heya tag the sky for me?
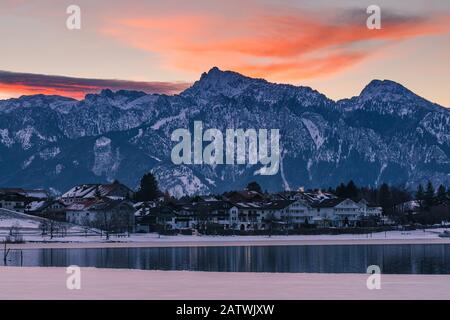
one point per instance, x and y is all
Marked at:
(164, 46)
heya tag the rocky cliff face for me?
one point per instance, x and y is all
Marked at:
(386, 134)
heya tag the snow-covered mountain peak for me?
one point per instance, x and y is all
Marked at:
(108, 94)
(123, 96)
(385, 89)
(389, 97)
(217, 82)
(35, 101)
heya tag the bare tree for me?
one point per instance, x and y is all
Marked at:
(14, 233)
(51, 228)
(5, 253)
(14, 230)
(44, 227)
(60, 228)
(270, 221)
(112, 222)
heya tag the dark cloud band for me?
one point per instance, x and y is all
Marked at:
(77, 87)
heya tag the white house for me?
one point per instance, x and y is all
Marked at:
(106, 214)
(340, 212)
(300, 212)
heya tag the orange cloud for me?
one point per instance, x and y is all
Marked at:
(15, 90)
(274, 45)
(302, 69)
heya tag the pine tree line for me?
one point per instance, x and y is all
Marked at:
(391, 197)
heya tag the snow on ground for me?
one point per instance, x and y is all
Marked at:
(10, 218)
(314, 132)
(155, 240)
(29, 227)
(163, 121)
(390, 235)
(50, 283)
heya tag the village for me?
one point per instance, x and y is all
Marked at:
(113, 208)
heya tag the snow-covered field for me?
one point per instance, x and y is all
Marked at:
(9, 219)
(50, 283)
(29, 227)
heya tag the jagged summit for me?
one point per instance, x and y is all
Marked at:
(215, 74)
(216, 81)
(108, 93)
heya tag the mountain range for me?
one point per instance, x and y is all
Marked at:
(385, 134)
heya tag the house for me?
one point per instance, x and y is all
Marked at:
(325, 209)
(155, 215)
(299, 213)
(170, 218)
(249, 216)
(245, 196)
(219, 213)
(310, 196)
(13, 201)
(207, 198)
(52, 209)
(81, 193)
(35, 194)
(263, 215)
(338, 212)
(16, 199)
(409, 207)
(370, 210)
(145, 220)
(111, 215)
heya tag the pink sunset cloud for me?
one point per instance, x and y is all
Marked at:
(274, 45)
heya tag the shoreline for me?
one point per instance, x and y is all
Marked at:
(45, 283)
(217, 241)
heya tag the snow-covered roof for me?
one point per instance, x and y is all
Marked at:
(250, 205)
(209, 198)
(410, 205)
(142, 212)
(138, 204)
(81, 191)
(38, 194)
(271, 205)
(96, 204)
(89, 191)
(35, 206)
